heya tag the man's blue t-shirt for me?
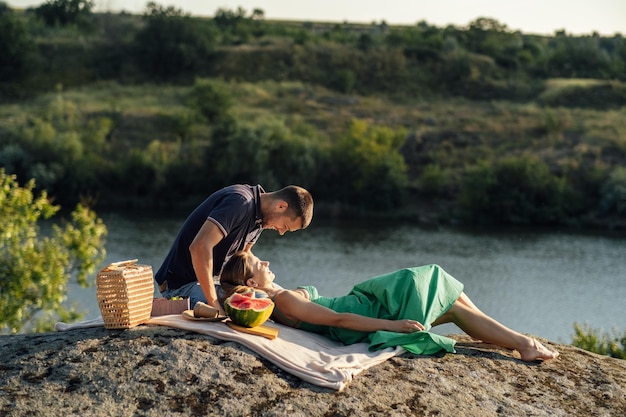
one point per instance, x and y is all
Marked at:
(236, 210)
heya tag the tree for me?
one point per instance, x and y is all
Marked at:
(236, 26)
(485, 35)
(172, 44)
(15, 45)
(35, 267)
(64, 12)
(579, 57)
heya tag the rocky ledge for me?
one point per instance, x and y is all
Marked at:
(158, 371)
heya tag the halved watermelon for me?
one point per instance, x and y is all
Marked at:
(248, 311)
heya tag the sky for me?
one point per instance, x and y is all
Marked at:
(545, 17)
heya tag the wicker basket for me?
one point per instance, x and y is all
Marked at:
(124, 291)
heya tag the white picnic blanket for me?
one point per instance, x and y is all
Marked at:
(309, 356)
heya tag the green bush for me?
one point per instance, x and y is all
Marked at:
(366, 168)
(592, 340)
(61, 149)
(433, 179)
(514, 190)
(211, 99)
(267, 151)
(35, 267)
(613, 193)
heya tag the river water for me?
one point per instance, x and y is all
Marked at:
(535, 282)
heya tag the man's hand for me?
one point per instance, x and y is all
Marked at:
(218, 306)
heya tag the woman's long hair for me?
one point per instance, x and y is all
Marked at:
(235, 272)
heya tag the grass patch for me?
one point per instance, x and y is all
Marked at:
(584, 93)
(557, 83)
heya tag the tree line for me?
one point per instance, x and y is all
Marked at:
(79, 156)
(62, 41)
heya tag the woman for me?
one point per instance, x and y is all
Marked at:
(395, 309)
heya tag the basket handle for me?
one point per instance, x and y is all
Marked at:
(116, 265)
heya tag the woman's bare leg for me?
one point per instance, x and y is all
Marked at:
(463, 298)
(480, 326)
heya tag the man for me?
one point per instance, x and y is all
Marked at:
(229, 220)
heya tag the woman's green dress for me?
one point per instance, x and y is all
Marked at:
(422, 293)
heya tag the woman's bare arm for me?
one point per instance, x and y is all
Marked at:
(297, 308)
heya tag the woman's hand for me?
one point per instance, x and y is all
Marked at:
(406, 326)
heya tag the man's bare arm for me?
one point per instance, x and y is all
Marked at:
(201, 250)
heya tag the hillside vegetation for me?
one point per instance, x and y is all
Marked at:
(473, 124)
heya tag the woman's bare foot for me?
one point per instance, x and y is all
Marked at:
(536, 350)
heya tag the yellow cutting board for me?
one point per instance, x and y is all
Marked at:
(265, 331)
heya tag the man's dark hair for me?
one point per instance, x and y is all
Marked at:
(300, 202)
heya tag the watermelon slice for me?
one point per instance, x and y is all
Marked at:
(248, 311)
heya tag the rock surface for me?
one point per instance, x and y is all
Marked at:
(158, 371)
